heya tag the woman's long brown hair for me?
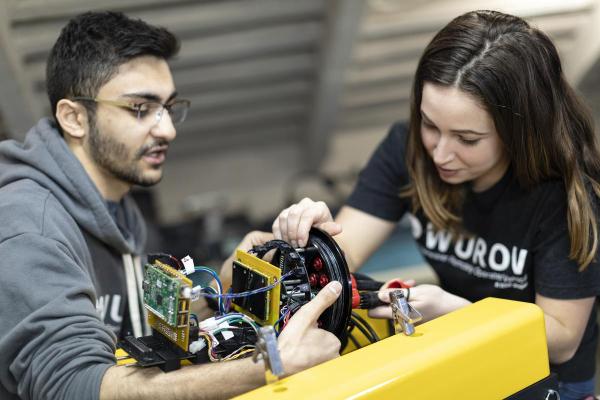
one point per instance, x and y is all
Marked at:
(514, 71)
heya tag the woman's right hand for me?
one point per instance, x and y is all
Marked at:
(293, 224)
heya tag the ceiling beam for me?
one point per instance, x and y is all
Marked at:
(342, 24)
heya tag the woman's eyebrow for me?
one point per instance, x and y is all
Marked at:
(429, 121)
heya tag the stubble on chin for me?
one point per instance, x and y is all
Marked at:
(115, 158)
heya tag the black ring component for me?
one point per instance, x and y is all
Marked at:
(335, 318)
(320, 262)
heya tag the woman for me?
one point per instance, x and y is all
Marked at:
(500, 169)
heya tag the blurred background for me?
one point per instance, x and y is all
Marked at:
(289, 98)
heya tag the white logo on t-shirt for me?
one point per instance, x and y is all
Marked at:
(473, 254)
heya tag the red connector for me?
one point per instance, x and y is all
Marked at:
(355, 298)
(397, 284)
(368, 299)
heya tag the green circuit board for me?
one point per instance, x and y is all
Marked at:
(162, 293)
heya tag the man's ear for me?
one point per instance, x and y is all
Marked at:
(72, 118)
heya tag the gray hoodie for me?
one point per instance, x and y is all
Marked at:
(53, 342)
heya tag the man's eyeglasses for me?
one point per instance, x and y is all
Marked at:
(149, 110)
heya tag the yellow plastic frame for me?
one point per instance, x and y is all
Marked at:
(488, 350)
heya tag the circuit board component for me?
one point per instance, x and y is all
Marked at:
(251, 273)
(167, 296)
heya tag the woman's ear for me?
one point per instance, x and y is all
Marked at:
(72, 118)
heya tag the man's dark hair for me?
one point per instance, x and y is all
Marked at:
(93, 45)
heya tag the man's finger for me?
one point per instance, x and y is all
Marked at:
(311, 311)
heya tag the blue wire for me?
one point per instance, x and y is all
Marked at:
(248, 293)
(276, 324)
(228, 301)
(216, 277)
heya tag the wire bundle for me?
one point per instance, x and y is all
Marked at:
(230, 295)
(358, 322)
(229, 347)
(211, 290)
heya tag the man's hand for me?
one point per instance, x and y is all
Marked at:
(254, 238)
(293, 223)
(430, 300)
(302, 344)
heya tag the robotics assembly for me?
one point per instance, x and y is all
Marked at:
(493, 349)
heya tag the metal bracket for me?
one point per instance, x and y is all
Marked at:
(405, 316)
(266, 350)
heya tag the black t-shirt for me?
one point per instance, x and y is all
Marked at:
(109, 277)
(519, 242)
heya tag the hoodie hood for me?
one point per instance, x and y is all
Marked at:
(45, 158)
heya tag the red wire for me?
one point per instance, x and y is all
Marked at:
(176, 260)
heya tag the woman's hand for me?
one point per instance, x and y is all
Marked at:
(294, 223)
(430, 300)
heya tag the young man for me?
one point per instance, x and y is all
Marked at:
(71, 237)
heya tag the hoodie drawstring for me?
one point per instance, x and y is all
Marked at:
(132, 295)
(139, 277)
